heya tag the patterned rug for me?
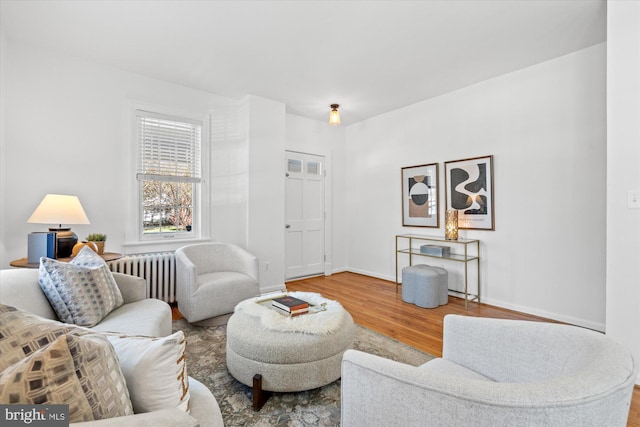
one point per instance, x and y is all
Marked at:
(206, 362)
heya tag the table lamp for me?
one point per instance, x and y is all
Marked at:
(60, 209)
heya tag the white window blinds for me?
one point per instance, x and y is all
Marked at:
(169, 148)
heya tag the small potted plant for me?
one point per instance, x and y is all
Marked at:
(98, 239)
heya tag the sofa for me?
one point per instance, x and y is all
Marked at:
(495, 372)
(138, 315)
(211, 278)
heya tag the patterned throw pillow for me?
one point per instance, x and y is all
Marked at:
(155, 370)
(82, 291)
(46, 377)
(95, 363)
(23, 333)
(98, 369)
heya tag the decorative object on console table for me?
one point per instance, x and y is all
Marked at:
(451, 224)
(435, 250)
(420, 205)
(99, 240)
(290, 304)
(60, 209)
(469, 190)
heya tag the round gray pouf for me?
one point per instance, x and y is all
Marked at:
(443, 289)
(425, 286)
(288, 361)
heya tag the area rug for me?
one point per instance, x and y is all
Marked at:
(206, 362)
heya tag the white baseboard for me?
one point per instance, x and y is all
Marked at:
(600, 327)
(273, 288)
(371, 273)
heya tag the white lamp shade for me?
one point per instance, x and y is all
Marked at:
(59, 209)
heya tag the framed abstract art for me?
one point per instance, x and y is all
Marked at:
(469, 190)
(420, 204)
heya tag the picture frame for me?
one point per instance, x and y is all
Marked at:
(469, 190)
(420, 196)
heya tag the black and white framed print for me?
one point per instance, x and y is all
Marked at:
(420, 205)
(469, 190)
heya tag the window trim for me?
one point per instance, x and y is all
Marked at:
(136, 241)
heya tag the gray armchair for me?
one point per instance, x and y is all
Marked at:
(211, 278)
(495, 372)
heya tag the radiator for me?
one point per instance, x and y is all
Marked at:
(158, 269)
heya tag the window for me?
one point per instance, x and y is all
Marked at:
(169, 175)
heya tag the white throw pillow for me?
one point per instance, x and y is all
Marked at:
(81, 292)
(155, 370)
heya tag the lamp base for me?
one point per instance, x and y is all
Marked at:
(66, 240)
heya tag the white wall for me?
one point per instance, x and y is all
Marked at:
(266, 136)
(623, 173)
(67, 131)
(545, 127)
(229, 187)
(314, 137)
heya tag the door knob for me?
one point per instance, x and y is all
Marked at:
(287, 226)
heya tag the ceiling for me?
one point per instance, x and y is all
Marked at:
(371, 57)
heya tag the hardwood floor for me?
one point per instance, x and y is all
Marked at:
(374, 304)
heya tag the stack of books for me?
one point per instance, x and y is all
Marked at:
(290, 306)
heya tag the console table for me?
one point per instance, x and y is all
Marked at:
(466, 251)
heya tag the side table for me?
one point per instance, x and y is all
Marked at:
(24, 263)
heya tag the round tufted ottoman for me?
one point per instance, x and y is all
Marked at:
(290, 354)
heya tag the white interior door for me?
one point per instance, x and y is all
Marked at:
(304, 215)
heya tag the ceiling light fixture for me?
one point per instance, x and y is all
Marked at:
(334, 115)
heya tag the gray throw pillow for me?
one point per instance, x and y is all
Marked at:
(81, 292)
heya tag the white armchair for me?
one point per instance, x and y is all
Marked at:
(211, 278)
(495, 372)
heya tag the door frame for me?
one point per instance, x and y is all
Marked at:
(328, 217)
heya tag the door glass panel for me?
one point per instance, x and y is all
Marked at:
(294, 165)
(313, 168)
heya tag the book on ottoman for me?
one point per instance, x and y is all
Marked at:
(291, 313)
(290, 304)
